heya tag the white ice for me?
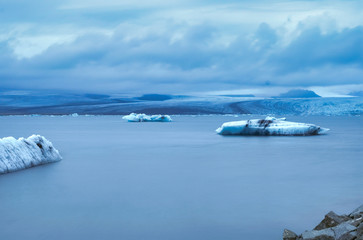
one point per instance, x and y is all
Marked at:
(269, 126)
(134, 117)
(17, 154)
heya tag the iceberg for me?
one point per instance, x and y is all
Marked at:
(134, 117)
(270, 126)
(22, 153)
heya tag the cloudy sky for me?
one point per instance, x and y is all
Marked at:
(180, 46)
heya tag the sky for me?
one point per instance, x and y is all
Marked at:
(178, 47)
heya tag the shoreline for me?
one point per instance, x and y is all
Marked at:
(333, 227)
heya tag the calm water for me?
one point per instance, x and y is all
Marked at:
(179, 180)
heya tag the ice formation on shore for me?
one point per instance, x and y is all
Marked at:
(269, 126)
(134, 117)
(17, 154)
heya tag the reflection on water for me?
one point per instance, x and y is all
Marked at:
(178, 180)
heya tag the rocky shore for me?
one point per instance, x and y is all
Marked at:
(333, 227)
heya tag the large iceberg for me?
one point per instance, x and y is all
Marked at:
(269, 126)
(134, 117)
(17, 154)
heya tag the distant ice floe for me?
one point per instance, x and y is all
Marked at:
(270, 126)
(134, 117)
(17, 154)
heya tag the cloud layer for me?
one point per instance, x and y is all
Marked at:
(180, 47)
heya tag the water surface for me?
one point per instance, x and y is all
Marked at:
(178, 180)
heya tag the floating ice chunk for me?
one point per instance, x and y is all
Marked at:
(134, 117)
(25, 153)
(270, 126)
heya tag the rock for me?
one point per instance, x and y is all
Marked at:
(343, 229)
(355, 222)
(360, 231)
(357, 212)
(325, 234)
(289, 235)
(348, 236)
(331, 220)
(333, 227)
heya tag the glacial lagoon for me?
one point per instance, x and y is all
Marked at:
(178, 180)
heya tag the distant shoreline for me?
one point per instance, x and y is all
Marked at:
(67, 105)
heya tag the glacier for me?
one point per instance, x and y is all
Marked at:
(270, 126)
(22, 153)
(141, 117)
(96, 104)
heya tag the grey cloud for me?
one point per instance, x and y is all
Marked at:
(192, 62)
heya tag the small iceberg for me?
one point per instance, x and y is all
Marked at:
(134, 117)
(17, 154)
(270, 126)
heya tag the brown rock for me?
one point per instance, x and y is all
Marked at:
(331, 220)
(289, 235)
